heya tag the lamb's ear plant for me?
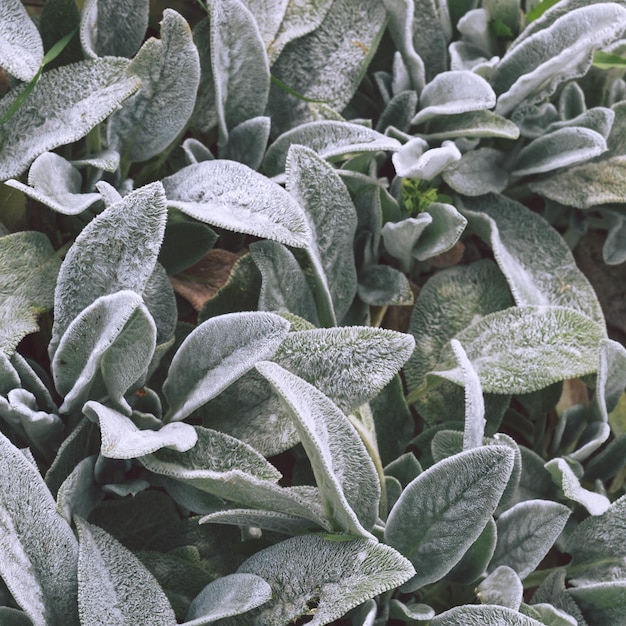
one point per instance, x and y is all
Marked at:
(292, 329)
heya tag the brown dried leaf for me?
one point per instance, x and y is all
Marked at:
(202, 281)
(449, 258)
(399, 317)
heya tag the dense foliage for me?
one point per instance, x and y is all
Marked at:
(291, 330)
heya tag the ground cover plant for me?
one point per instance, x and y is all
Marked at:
(291, 329)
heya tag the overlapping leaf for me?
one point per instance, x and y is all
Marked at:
(113, 28)
(349, 365)
(284, 285)
(105, 350)
(65, 104)
(326, 65)
(343, 470)
(332, 576)
(544, 344)
(239, 65)
(104, 595)
(228, 596)
(564, 476)
(332, 221)
(597, 546)
(228, 468)
(115, 251)
(444, 510)
(21, 48)
(55, 182)
(525, 534)
(216, 354)
(452, 93)
(534, 68)
(479, 615)
(29, 271)
(122, 439)
(233, 196)
(39, 551)
(515, 233)
(299, 18)
(169, 70)
(330, 139)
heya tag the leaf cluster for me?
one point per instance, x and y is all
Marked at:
(291, 328)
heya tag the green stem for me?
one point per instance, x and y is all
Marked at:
(372, 448)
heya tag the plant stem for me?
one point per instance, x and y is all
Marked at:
(369, 439)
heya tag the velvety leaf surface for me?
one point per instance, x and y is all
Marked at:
(444, 510)
(122, 439)
(383, 285)
(284, 285)
(113, 28)
(415, 160)
(42, 430)
(38, 550)
(603, 603)
(432, 232)
(560, 148)
(325, 64)
(343, 470)
(349, 365)
(502, 587)
(473, 564)
(597, 546)
(454, 92)
(56, 183)
(29, 268)
(332, 221)
(563, 475)
(299, 18)
(242, 411)
(169, 70)
(450, 301)
(515, 233)
(485, 615)
(239, 65)
(79, 494)
(204, 117)
(226, 467)
(474, 429)
(478, 172)
(108, 346)
(227, 596)
(267, 520)
(247, 142)
(117, 250)
(401, 19)
(533, 69)
(269, 16)
(472, 124)
(233, 196)
(525, 534)
(104, 596)
(75, 98)
(594, 183)
(216, 354)
(431, 32)
(21, 48)
(333, 576)
(545, 344)
(330, 139)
